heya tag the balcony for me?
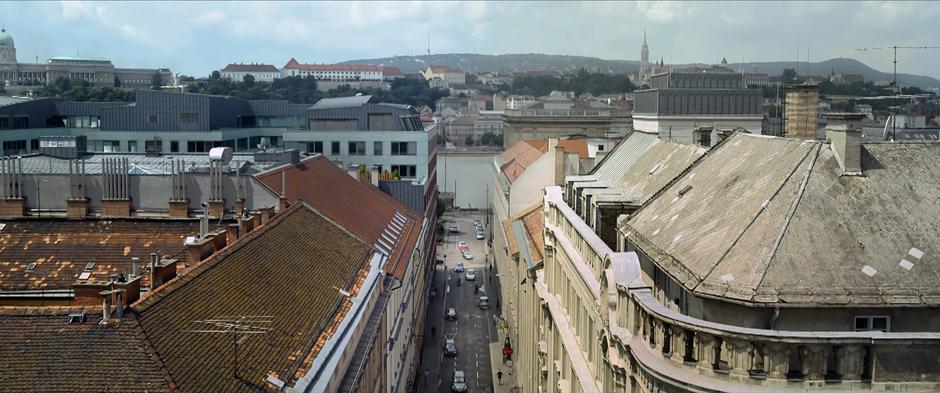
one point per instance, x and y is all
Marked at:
(680, 350)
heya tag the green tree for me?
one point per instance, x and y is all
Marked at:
(156, 80)
(788, 75)
(248, 80)
(469, 140)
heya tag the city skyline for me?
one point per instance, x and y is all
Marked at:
(195, 39)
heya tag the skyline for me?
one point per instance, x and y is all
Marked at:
(195, 39)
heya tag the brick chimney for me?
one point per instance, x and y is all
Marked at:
(161, 270)
(844, 133)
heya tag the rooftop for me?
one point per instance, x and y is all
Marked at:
(294, 64)
(518, 157)
(65, 251)
(340, 102)
(524, 234)
(764, 220)
(250, 68)
(267, 273)
(366, 211)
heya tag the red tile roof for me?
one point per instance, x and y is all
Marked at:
(250, 68)
(290, 270)
(519, 156)
(61, 249)
(389, 71)
(41, 352)
(357, 206)
(294, 64)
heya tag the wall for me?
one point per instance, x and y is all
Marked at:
(529, 187)
(299, 140)
(473, 173)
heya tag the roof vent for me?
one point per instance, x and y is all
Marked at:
(77, 317)
(685, 190)
(31, 266)
(90, 266)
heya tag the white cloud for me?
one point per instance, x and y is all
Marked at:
(662, 11)
(212, 17)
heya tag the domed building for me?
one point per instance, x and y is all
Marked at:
(99, 72)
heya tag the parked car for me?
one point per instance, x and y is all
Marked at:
(479, 235)
(458, 267)
(460, 382)
(450, 347)
(453, 229)
(471, 275)
(484, 302)
(467, 255)
(451, 314)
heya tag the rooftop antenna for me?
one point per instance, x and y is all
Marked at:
(429, 43)
(239, 326)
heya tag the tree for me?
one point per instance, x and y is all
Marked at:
(156, 81)
(440, 140)
(117, 81)
(215, 75)
(248, 80)
(469, 140)
(3, 87)
(489, 139)
(788, 75)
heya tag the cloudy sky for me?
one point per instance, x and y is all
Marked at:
(195, 38)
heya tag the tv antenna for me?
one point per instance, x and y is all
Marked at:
(895, 58)
(240, 327)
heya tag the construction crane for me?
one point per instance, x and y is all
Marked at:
(895, 60)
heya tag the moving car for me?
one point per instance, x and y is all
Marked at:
(458, 267)
(484, 302)
(467, 255)
(471, 275)
(460, 382)
(451, 314)
(453, 229)
(450, 347)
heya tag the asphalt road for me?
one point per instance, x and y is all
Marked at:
(474, 329)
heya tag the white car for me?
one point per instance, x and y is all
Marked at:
(453, 229)
(467, 255)
(479, 235)
(471, 275)
(460, 382)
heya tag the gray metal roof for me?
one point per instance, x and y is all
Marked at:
(340, 102)
(6, 100)
(771, 220)
(624, 155)
(138, 164)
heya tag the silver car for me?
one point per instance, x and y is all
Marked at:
(460, 382)
(471, 275)
(451, 314)
(450, 347)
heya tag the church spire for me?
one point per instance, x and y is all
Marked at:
(644, 37)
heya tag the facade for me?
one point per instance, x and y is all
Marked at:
(679, 102)
(800, 110)
(334, 72)
(98, 72)
(754, 79)
(391, 73)
(442, 76)
(557, 116)
(261, 72)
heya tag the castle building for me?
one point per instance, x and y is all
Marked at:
(96, 71)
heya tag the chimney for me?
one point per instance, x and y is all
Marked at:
(106, 307)
(703, 136)
(353, 170)
(844, 133)
(559, 153)
(374, 175)
(161, 270)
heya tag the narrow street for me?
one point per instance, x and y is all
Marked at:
(474, 330)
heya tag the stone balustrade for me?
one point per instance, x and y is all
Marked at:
(772, 357)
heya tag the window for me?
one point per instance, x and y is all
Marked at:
(382, 122)
(315, 147)
(20, 122)
(153, 146)
(14, 147)
(174, 146)
(873, 323)
(405, 170)
(152, 119)
(334, 147)
(404, 148)
(357, 148)
(189, 117)
(34, 144)
(377, 148)
(334, 124)
(132, 146)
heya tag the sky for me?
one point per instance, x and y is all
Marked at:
(195, 38)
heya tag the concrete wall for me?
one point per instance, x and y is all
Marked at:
(473, 174)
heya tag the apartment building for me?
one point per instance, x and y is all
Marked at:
(261, 72)
(334, 72)
(760, 266)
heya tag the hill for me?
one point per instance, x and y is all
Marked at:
(475, 63)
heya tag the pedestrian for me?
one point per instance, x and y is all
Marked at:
(433, 332)
(499, 376)
(476, 289)
(497, 304)
(426, 372)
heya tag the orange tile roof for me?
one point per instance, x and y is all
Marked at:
(289, 269)
(441, 69)
(357, 206)
(294, 64)
(61, 248)
(575, 146)
(519, 156)
(532, 223)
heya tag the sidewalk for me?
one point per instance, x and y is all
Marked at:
(496, 362)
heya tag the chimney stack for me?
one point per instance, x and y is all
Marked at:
(844, 132)
(703, 136)
(559, 153)
(374, 175)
